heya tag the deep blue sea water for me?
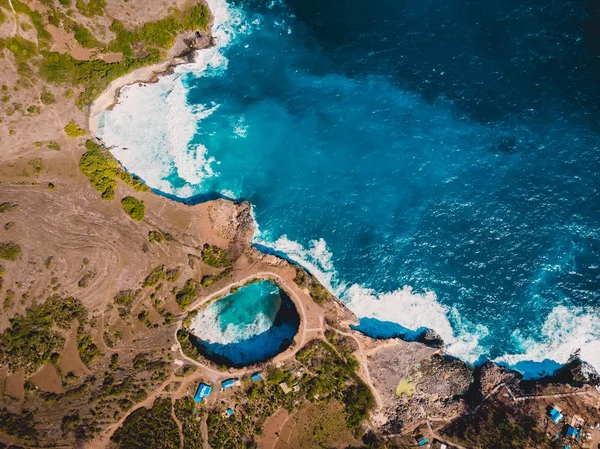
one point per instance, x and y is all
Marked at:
(450, 148)
(251, 325)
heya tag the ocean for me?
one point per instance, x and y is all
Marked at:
(435, 164)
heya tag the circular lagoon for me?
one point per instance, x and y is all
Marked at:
(252, 324)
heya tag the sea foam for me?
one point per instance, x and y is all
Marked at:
(413, 311)
(152, 117)
(565, 331)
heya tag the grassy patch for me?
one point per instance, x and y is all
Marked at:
(8, 207)
(124, 300)
(187, 294)
(215, 256)
(405, 388)
(102, 169)
(73, 130)
(9, 250)
(30, 339)
(133, 207)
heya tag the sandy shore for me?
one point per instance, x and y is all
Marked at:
(110, 96)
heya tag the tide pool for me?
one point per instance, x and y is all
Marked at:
(250, 325)
(435, 165)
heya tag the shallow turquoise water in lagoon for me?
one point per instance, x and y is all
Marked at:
(451, 147)
(253, 324)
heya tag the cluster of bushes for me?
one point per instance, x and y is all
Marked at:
(124, 300)
(9, 250)
(73, 130)
(187, 294)
(102, 169)
(185, 411)
(145, 428)
(318, 293)
(133, 207)
(335, 378)
(155, 236)
(88, 351)
(7, 207)
(30, 340)
(20, 425)
(161, 33)
(215, 256)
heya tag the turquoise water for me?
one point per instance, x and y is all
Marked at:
(251, 325)
(435, 164)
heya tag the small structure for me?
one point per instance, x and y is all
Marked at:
(203, 391)
(230, 383)
(439, 445)
(257, 376)
(229, 411)
(556, 415)
(572, 432)
(285, 387)
(422, 440)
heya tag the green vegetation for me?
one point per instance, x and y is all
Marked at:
(22, 426)
(8, 207)
(187, 294)
(496, 426)
(155, 236)
(133, 207)
(102, 168)
(161, 33)
(185, 411)
(73, 130)
(318, 293)
(9, 250)
(37, 165)
(146, 428)
(114, 361)
(53, 146)
(84, 37)
(326, 380)
(30, 340)
(156, 275)
(36, 18)
(88, 351)
(124, 300)
(91, 8)
(215, 256)
(47, 97)
(149, 40)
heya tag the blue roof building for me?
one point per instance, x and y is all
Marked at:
(229, 412)
(202, 391)
(572, 432)
(256, 377)
(422, 441)
(556, 415)
(229, 383)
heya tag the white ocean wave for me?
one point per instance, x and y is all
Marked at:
(152, 117)
(207, 327)
(565, 331)
(404, 307)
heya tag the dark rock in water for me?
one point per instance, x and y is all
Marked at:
(431, 339)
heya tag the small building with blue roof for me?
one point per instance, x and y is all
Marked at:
(572, 432)
(556, 415)
(203, 391)
(422, 440)
(230, 383)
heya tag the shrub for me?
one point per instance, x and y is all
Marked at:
(73, 130)
(155, 236)
(47, 97)
(53, 146)
(155, 276)
(187, 294)
(85, 37)
(7, 207)
(9, 250)
(133, 207)
(215, 256)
